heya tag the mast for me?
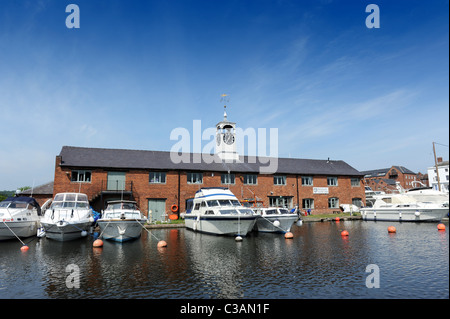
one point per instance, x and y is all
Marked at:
(437, 169)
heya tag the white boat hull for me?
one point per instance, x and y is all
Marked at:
(64, 231)
(230, 225)
(266, 223)
(406, 215)
(22, 229)
(120, 230)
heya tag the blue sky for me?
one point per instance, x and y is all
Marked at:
(136, 70)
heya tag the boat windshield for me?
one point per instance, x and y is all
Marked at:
(284, 211)
(246, 211)
(69, 205)
(118, 214)
(4, 204)
(114, 206)
(271, 212)
(212, 203)
(225, 202)
(9, 204)
(228, 212)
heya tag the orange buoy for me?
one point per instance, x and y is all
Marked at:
(337, 219)
(161, 243)
(344, 233)
(98, 243)
(392, 229)
(441, 227)
(289, 235)
(24, 248)
(173, 216)
(174, 208)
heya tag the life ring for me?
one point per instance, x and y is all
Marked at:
(174, 208)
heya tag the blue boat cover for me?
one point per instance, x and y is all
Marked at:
(24, 199)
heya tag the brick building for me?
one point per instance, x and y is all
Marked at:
(157, 183)
(385, 179)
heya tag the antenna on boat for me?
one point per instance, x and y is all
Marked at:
(32, 188)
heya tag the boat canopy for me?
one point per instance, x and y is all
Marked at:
(14, 202)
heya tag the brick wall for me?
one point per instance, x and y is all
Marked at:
(176, 190)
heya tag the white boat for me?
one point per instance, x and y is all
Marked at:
(274, 220)
(407, 206)
(19, 217)
(121, 221)
(428, 194)
(69, 217)
(217, 211)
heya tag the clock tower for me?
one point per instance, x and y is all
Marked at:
(226, 140)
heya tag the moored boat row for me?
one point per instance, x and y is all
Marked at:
(213, 210)
(216, 210)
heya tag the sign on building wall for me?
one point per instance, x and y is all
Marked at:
(320, 190)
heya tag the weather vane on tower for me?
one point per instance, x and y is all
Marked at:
(224, 98)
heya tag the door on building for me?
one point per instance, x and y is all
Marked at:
(156, 210)
(116, 181)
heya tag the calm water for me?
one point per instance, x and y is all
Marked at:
(317, 263)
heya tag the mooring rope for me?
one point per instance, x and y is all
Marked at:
(146, 229)
(14, 233)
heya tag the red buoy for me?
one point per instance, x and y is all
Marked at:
(98, 243)
(344, 233)
(289, 235)
(441, 227)
(392, 229)
(161, 243)
(24, 248)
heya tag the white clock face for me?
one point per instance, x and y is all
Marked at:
(218, 139)
(228, 138)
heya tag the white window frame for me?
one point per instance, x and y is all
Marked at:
(194, 178)
(227, 179)
(157, 177)
(250, 179)
(278, 178)
(82, 174)
(332, 181)
(307, 181)
(333, 202)
(355, 182)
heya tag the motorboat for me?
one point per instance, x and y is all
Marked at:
(121, 221)
(19, 217)
(274, 219)
(427, 194)
(407, 206)
(69, 217)
(216, 210)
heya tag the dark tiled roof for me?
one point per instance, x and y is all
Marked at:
(383, 171)
(44, 189)
(84, 157)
